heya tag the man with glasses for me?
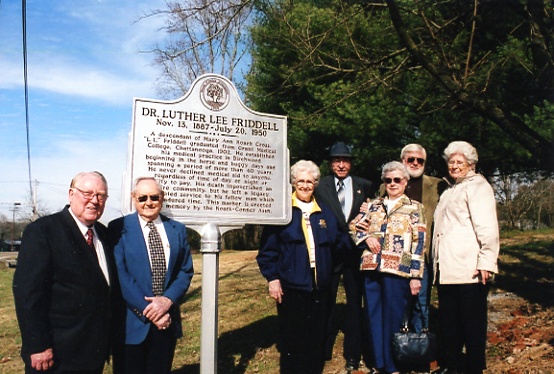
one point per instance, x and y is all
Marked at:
(344, 194)
(65, 284)
(155, 269)
(426, 190)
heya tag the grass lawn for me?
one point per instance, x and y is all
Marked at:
(248, 322)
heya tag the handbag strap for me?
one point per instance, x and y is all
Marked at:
(406, 317)
(424, 326)
(407, 310)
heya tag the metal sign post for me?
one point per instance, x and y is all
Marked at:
(210, 248)
(221, 166)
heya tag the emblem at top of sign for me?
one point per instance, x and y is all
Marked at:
(214, 94)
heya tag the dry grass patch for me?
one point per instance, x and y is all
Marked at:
(522, 298)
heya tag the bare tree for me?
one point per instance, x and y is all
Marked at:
(204, 36)
(524, 199)
(513, 204)
(542, 193)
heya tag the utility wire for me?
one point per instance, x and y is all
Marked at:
(24, 22)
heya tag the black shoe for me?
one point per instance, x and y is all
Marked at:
(445, 371)
(352, 365)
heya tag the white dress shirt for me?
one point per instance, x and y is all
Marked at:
(163, 235)
(100, 255)
(348, 195)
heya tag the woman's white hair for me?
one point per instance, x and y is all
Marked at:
(462, 148)
(305, 165)
(395, 165)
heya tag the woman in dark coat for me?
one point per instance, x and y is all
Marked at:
(297, 261)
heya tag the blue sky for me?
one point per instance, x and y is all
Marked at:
(84, 67)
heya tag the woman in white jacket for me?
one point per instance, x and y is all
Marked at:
(465, 253)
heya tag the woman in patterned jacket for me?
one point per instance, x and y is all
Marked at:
(393, 230)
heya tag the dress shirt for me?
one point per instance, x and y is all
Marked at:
(98, 247)
(348, 195)
(163, 236)
(307, 209)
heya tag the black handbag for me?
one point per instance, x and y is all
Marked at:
(412, 347)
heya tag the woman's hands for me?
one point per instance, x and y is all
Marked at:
(483, 275)
(415, 286)
(373, 244)
(275, 290)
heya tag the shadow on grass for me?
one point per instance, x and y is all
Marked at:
(237, 348)
(528, 271)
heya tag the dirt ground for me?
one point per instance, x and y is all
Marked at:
(521, 326)
(521, 316)
(520, 338)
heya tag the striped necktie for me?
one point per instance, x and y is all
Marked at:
(341, 193)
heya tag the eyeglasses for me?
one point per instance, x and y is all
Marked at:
(412, 159)
(305, 182)
(390, 180)
(143, 198)
(456, 163)
(89, 195)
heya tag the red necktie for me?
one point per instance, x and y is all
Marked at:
(90, 235)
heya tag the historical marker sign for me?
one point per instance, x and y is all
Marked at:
(218, 161)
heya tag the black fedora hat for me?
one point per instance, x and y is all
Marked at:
(340, 150)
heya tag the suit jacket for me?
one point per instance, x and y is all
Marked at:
(62, 299)
(326, 191)
(135, 276)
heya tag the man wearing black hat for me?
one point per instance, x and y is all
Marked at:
(344, 194)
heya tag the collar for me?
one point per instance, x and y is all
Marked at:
(295, 200)
(143, 222)
(470, 174)
(344, 180)
(404, 200)
(82, 227)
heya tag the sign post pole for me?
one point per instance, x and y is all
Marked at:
(210, 247)
(221, 165)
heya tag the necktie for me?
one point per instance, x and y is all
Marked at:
(90, 235)
(341, 195)
(157, 258)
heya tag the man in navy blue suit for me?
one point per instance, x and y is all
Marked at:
(155, 269)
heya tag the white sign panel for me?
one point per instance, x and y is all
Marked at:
(217, 161)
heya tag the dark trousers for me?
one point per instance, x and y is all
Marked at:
(56, 370)
(354, 320)
(302, 322)
(154, 355)
(463, 322)
(332, 328)
(355, 326)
